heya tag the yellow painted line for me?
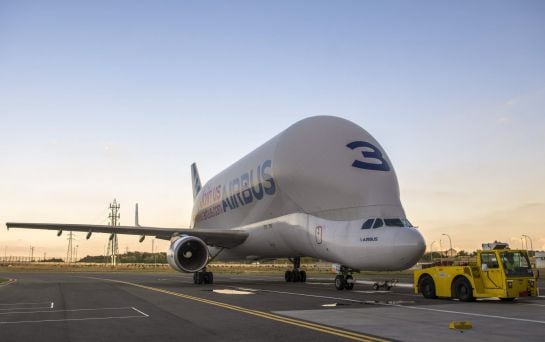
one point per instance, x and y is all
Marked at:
(308, 325)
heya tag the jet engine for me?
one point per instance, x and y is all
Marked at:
(187, 254)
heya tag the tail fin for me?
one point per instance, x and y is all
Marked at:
(195, 179)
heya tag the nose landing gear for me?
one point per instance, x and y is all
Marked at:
(344, 280)
(295, 275)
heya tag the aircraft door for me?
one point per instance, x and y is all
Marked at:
(318, 234)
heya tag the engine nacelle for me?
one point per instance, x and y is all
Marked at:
(187, 254)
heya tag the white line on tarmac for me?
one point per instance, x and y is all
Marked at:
(402, 306)
(73, 319)
(135, 309)
(301, 294)
(26, 303)
(464, 313)
(29, 308)
(73, 310)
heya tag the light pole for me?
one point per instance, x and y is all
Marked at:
(531, 243)
(449, 240)
(441, 251)
(431, 251)
(522, 242)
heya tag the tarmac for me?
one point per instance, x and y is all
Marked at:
(169, 307)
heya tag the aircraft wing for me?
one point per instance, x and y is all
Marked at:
(214, 237)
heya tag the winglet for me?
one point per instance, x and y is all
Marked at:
(196, 181)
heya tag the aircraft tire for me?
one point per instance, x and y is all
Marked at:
(303, 276)
(339, 282)
(287, 276)
(349, 285)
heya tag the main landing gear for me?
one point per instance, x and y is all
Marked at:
(203, 277)
(344, 280)
(295, 275)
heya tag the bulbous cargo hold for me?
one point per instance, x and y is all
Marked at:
(305, 168)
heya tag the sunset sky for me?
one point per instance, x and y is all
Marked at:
(115, 99)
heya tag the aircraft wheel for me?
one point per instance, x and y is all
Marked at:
(376, 287)
(287, 276)
(349, 282)
(303, 276)
(295, 276)
(339, 282)
(195, 278)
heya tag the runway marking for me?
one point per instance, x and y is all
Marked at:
(141, 315)
(301, 294)
(274, 317)
(466, 313)
(402, 306)
(72, 310)
(29, 308)
(73, 319)
(232, 292)
(135, 309)
(26, 303)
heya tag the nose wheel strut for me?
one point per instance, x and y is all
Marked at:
(344, 280)
(296, 275)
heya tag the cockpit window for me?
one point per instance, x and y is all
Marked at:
(394, 222)
(378, 223)
(367, 224)
(397, 222)
(407, 223)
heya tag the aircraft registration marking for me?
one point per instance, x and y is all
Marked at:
(274, 317)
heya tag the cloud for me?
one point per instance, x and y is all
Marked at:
(511, 102)
(502, 120)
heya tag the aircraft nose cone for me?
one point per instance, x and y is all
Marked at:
(409, 247)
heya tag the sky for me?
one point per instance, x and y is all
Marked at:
(115, 99)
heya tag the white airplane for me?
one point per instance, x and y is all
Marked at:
(322, 188)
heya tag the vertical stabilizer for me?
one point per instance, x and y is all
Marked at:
(196, 181)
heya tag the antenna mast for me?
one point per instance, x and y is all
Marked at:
(113, 248)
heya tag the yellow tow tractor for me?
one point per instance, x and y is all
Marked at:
(497, 272)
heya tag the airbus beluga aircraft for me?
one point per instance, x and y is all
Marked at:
(323, 188)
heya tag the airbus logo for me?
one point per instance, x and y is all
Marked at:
(372, 157)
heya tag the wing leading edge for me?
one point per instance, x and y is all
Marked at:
(219, 238)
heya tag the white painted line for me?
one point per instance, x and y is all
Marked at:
(73, 319)
(464, 313)
(400, 306)
(135, 309)
(73, 310)
(26, 303)
(533, 304)
(301, 294)
(29, 308)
